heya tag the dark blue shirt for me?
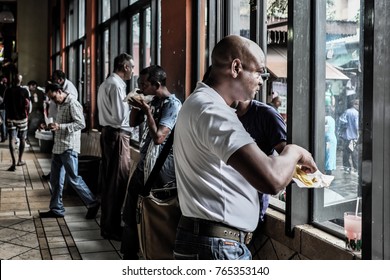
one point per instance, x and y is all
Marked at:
(265, 125)
(268, 128)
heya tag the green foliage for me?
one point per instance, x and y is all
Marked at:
(279, 8)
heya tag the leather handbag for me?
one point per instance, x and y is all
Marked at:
(158, 220)
(158, 214)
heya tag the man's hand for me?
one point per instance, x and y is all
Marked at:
(54, 126)
(140, 104)
(307, 161)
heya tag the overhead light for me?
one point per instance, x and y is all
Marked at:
(6, 16)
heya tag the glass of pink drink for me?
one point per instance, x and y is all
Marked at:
(353, 231)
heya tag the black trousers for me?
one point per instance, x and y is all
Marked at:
(130, 241)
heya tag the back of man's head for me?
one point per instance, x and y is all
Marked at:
(58, 75)
(32, 83)
(52, 87)
(19, 79)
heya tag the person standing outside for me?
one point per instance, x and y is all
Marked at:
(330, 141)
(114, 115)
(67, 127)
(276, 102)
(161, 115)
(17, 104)
(219, 168)
(350, 121)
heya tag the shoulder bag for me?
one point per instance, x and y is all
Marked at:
(158, 213)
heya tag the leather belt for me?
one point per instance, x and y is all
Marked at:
(120, 130)
(214, 229)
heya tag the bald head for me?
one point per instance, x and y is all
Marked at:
(19, 79)
(237, 65)
(236, 47)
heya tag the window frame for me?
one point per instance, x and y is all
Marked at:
(376, 132)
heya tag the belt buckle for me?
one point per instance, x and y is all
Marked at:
(248, 238)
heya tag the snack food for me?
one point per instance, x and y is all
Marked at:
(138, 97)
(302, 176)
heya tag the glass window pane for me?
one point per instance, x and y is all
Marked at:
(80, 74)
(135, 39)
(71, 75)
(57, 39)
(148, 37)
(245, 18)
(106, 53)
(70, 24)
(276, 84)
(106, 10)
(81, 18)
(159, 33)
(343, 88)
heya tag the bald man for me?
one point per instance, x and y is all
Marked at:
(219, 167)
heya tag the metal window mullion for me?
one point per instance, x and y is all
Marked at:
(376, 132)
(298, 101)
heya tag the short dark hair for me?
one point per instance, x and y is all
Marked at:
(52, 87)
(120, 61)
(156, 74)
(353, 102)
(32, 83)
(58, 74)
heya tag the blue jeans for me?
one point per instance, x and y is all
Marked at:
(189, 246)
(66, 164)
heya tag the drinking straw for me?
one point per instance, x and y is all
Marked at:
(357, 206)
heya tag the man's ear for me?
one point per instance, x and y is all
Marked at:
(236, 67)
(157, 84)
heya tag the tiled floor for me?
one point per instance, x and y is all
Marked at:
(24, 236)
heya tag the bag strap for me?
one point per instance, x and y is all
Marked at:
(159, 163)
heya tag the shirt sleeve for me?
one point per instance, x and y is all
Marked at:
(78, 123)
(170, 112)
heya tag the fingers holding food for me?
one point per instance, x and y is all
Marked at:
(302, 176)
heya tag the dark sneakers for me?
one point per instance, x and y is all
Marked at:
(46, 177)
(92, 212)
(12, 168)
(49, 214)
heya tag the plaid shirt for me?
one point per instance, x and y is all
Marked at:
(71, 120)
